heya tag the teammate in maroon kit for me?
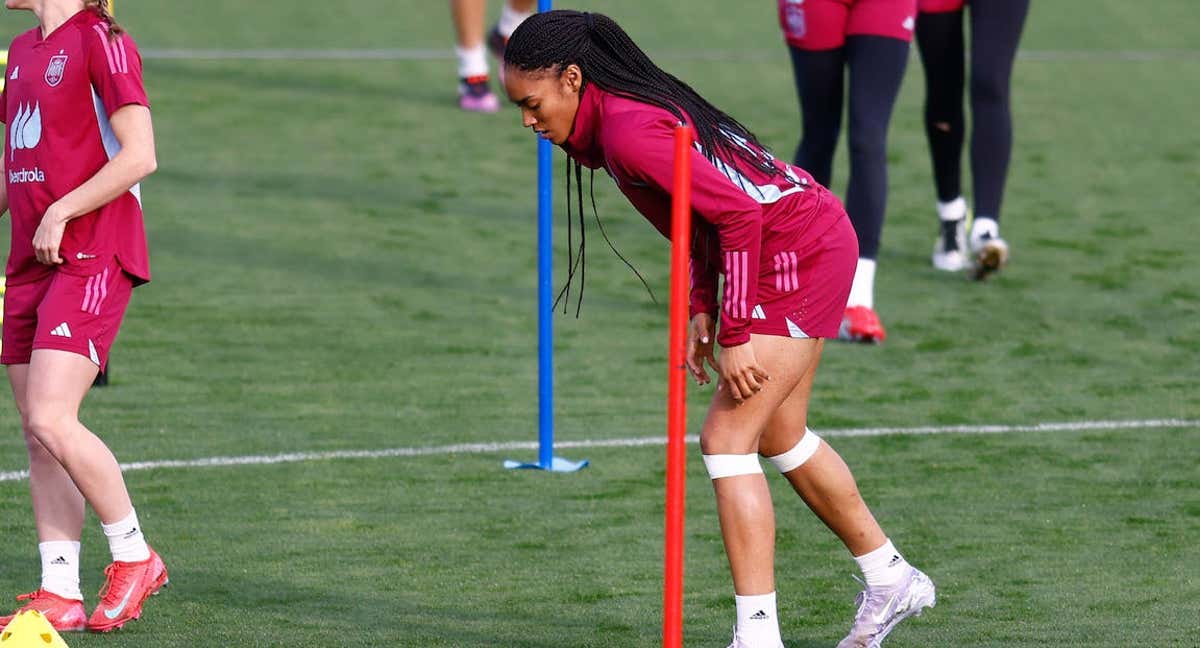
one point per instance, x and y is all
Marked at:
(995, 32)
(79, 141)
(788, 253)
(869, 39)
(474, 91)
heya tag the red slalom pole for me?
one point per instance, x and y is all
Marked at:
(681, 243)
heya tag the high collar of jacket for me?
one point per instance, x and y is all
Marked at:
(584, 142)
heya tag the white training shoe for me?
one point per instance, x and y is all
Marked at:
(738, 644)
(950, 247)
(881, 609)
(988, 250)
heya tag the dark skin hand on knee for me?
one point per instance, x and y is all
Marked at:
(738, 368)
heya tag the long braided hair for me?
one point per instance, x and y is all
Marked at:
(101, 8)
(609, 58)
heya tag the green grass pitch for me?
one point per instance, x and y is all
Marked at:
(344, 261)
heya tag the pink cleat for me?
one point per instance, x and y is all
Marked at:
(66, 615)
(474, 95)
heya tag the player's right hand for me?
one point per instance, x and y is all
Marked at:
(702, 331)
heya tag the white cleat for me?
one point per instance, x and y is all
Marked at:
(879, 611)
(950, 246)
(738, 644)
(988, 251)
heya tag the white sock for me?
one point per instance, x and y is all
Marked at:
(884, 567)
(984, 225)
(472, 61)
(125, 539)
(757, 622)
(510, 19)
(862, 291)
(952, 211)
(60, 568)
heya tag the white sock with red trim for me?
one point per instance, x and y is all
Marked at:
(472, 61)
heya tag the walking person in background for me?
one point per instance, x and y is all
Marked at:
(80, 139)
(870, 40)
(788, 253)
(995, 32)
(474, 87)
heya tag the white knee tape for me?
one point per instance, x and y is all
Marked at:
(729, 465)
(800, 453)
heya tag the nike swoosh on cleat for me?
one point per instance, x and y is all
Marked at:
(116, 612)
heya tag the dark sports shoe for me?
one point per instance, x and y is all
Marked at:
(496, 44)
(475, 95)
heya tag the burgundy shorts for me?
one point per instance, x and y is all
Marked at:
(67, 312)
(825, 24)
(802, 293)
(939, 6)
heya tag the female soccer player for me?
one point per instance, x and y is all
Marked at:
(787, 251)
(79, 141)
(995, 32)
(474, 91)
(870, 38)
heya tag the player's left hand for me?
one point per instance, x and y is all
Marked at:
(48, 236)
(740, 372)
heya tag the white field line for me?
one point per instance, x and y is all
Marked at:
(431, 54)
(506, 446)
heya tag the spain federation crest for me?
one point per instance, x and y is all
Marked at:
(54, 71)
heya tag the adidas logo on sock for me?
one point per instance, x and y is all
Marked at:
(61, 560)
(760, 616)
(896, 559)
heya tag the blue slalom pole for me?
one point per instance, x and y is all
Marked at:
(545, 305)
(546, 459)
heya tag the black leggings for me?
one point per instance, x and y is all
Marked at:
(876, 66)
(995, 31)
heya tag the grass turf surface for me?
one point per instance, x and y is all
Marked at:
(343, 260)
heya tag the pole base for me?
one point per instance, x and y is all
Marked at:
(558, 464)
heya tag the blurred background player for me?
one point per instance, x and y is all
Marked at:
(788, 253)
(474, 90)
(870, 39)
(79, 140)
(995, 32)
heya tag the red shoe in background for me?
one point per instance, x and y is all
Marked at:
(861, 324)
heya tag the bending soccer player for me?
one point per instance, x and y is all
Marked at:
(79, 140)
(788, 253)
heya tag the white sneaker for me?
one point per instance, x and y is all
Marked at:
(738, 644)
(988, 250)
(949, 248)
(881, 609)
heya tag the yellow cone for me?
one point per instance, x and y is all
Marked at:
(30, 630)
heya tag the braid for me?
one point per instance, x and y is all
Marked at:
(100, 8)
(609, 58)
